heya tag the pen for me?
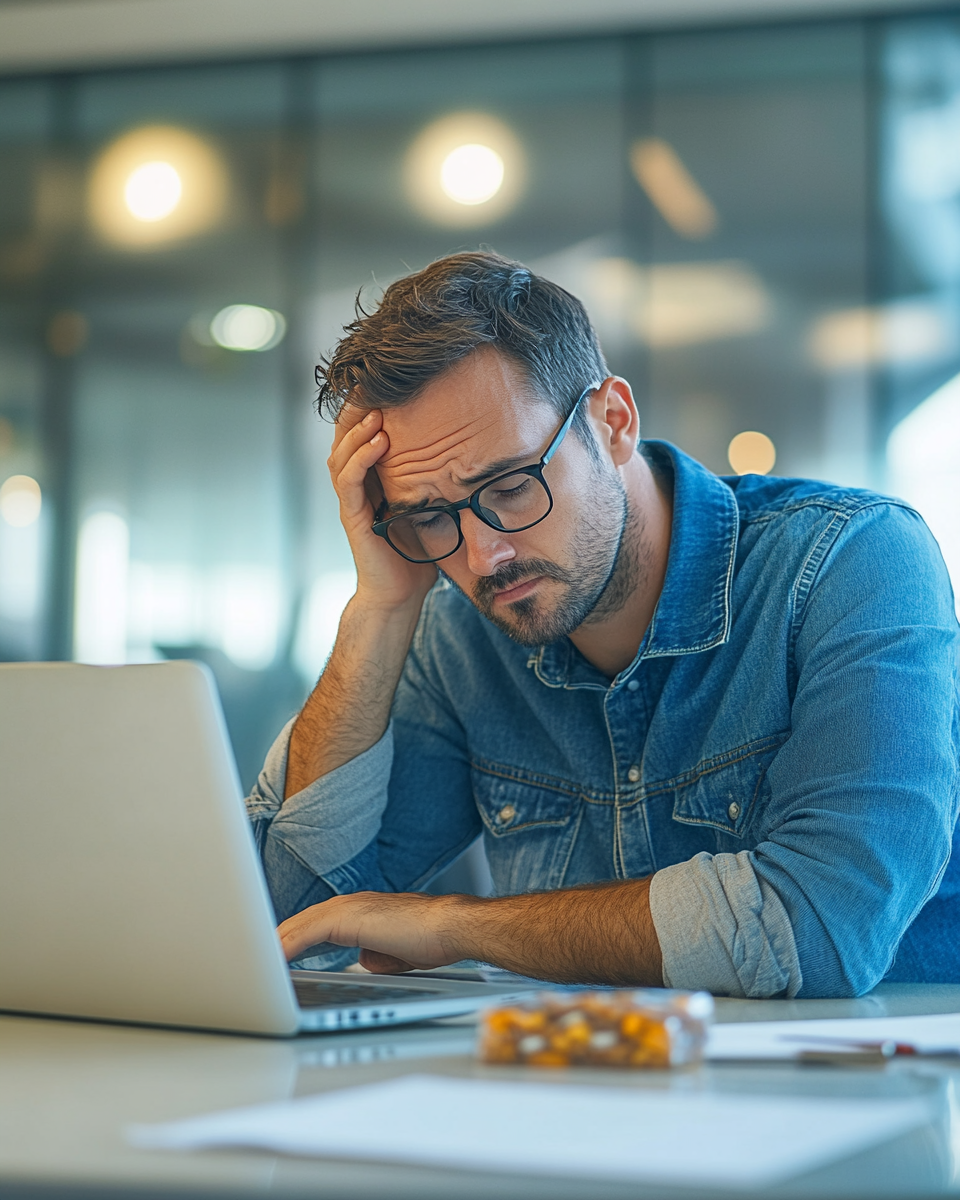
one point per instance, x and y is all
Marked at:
(881, 1049)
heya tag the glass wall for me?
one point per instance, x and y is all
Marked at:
(764, 224)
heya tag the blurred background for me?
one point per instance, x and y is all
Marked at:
(764, 221)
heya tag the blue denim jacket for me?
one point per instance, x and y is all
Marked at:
(782, 754)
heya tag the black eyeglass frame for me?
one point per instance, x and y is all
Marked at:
(381, 527)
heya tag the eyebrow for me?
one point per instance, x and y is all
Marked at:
(500, 467)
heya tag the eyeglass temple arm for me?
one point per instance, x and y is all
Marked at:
(562, 431)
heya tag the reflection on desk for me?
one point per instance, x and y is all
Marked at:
(68, 1089)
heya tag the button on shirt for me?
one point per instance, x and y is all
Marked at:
(781, 756)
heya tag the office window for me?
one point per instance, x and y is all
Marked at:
(763, 223)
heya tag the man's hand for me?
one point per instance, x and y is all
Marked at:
(398, 931)
(385, 580)
(598, 934)
(350, 706)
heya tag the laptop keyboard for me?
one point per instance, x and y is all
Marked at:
(342, 995)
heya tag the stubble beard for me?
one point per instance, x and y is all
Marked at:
(605, 573)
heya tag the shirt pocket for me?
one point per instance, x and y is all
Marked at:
(530, 823)
(728, 791)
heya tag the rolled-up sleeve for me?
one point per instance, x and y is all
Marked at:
(723, 928)
(332, 820)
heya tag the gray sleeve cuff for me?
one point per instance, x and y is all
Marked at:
(723, 929)
(329, 822)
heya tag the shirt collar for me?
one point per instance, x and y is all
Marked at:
(694, 609)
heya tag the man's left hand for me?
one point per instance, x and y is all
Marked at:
(403, 931)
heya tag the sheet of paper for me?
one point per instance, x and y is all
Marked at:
(557, 1129)
(777, 1039)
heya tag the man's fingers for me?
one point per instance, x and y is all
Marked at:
(352, 462)
(348, 418)
(307, 928)
(351, 435)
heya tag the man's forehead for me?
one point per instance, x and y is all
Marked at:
(457, 429)
(437, 441)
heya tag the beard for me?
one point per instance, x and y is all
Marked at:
(604, 574)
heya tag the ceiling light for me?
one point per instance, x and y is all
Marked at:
(672, 190)
(153, 191)
(156, 184)
(472, 174)
(247, 327)
(752, 453)
(20, 501)
(465, 169)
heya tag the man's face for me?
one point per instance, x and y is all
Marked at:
(479, 420)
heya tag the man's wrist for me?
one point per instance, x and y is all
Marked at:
(458, 926)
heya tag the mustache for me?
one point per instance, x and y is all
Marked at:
(511, 574)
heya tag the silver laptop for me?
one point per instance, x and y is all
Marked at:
(130, 886)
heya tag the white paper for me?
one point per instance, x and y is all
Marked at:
(778, 1039)
(556, 1129)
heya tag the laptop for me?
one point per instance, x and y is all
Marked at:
(130, 886)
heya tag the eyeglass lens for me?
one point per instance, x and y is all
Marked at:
(512, 503)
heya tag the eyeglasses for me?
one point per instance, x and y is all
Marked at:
(516, 500)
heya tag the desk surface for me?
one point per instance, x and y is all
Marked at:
(68, 1088)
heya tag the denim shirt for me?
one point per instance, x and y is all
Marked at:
(781, 755)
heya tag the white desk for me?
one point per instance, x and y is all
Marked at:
(68, 1088)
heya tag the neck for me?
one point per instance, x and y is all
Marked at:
(611, 636)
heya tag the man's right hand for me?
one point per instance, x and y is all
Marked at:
(348, 710)
(385, 580)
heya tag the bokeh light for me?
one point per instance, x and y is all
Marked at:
(752, 453)
(155, 184)
(247, 327)
(153, 191)
(465, 169)
(472, 174)
(20, 501)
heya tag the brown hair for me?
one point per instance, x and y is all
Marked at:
(431, 320)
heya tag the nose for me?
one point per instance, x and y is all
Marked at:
(486, 548)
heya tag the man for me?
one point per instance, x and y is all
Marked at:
(708, 728)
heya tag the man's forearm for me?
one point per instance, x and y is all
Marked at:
(597, 934)
(348, 710)
(601, 934)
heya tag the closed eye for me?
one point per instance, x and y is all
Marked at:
(493, 494)
(427, 520)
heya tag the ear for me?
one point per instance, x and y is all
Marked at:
(614, 417)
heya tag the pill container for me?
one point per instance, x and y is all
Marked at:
(618, 1027)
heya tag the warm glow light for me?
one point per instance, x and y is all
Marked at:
(247, 327)
(905, 332)
(472, 174)
(677, 304)
(20, 501)
(153, 191)
(465, 169)
(673, 191)
(752, 453)
(156, 184)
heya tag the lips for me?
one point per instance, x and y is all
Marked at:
(518, 591)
